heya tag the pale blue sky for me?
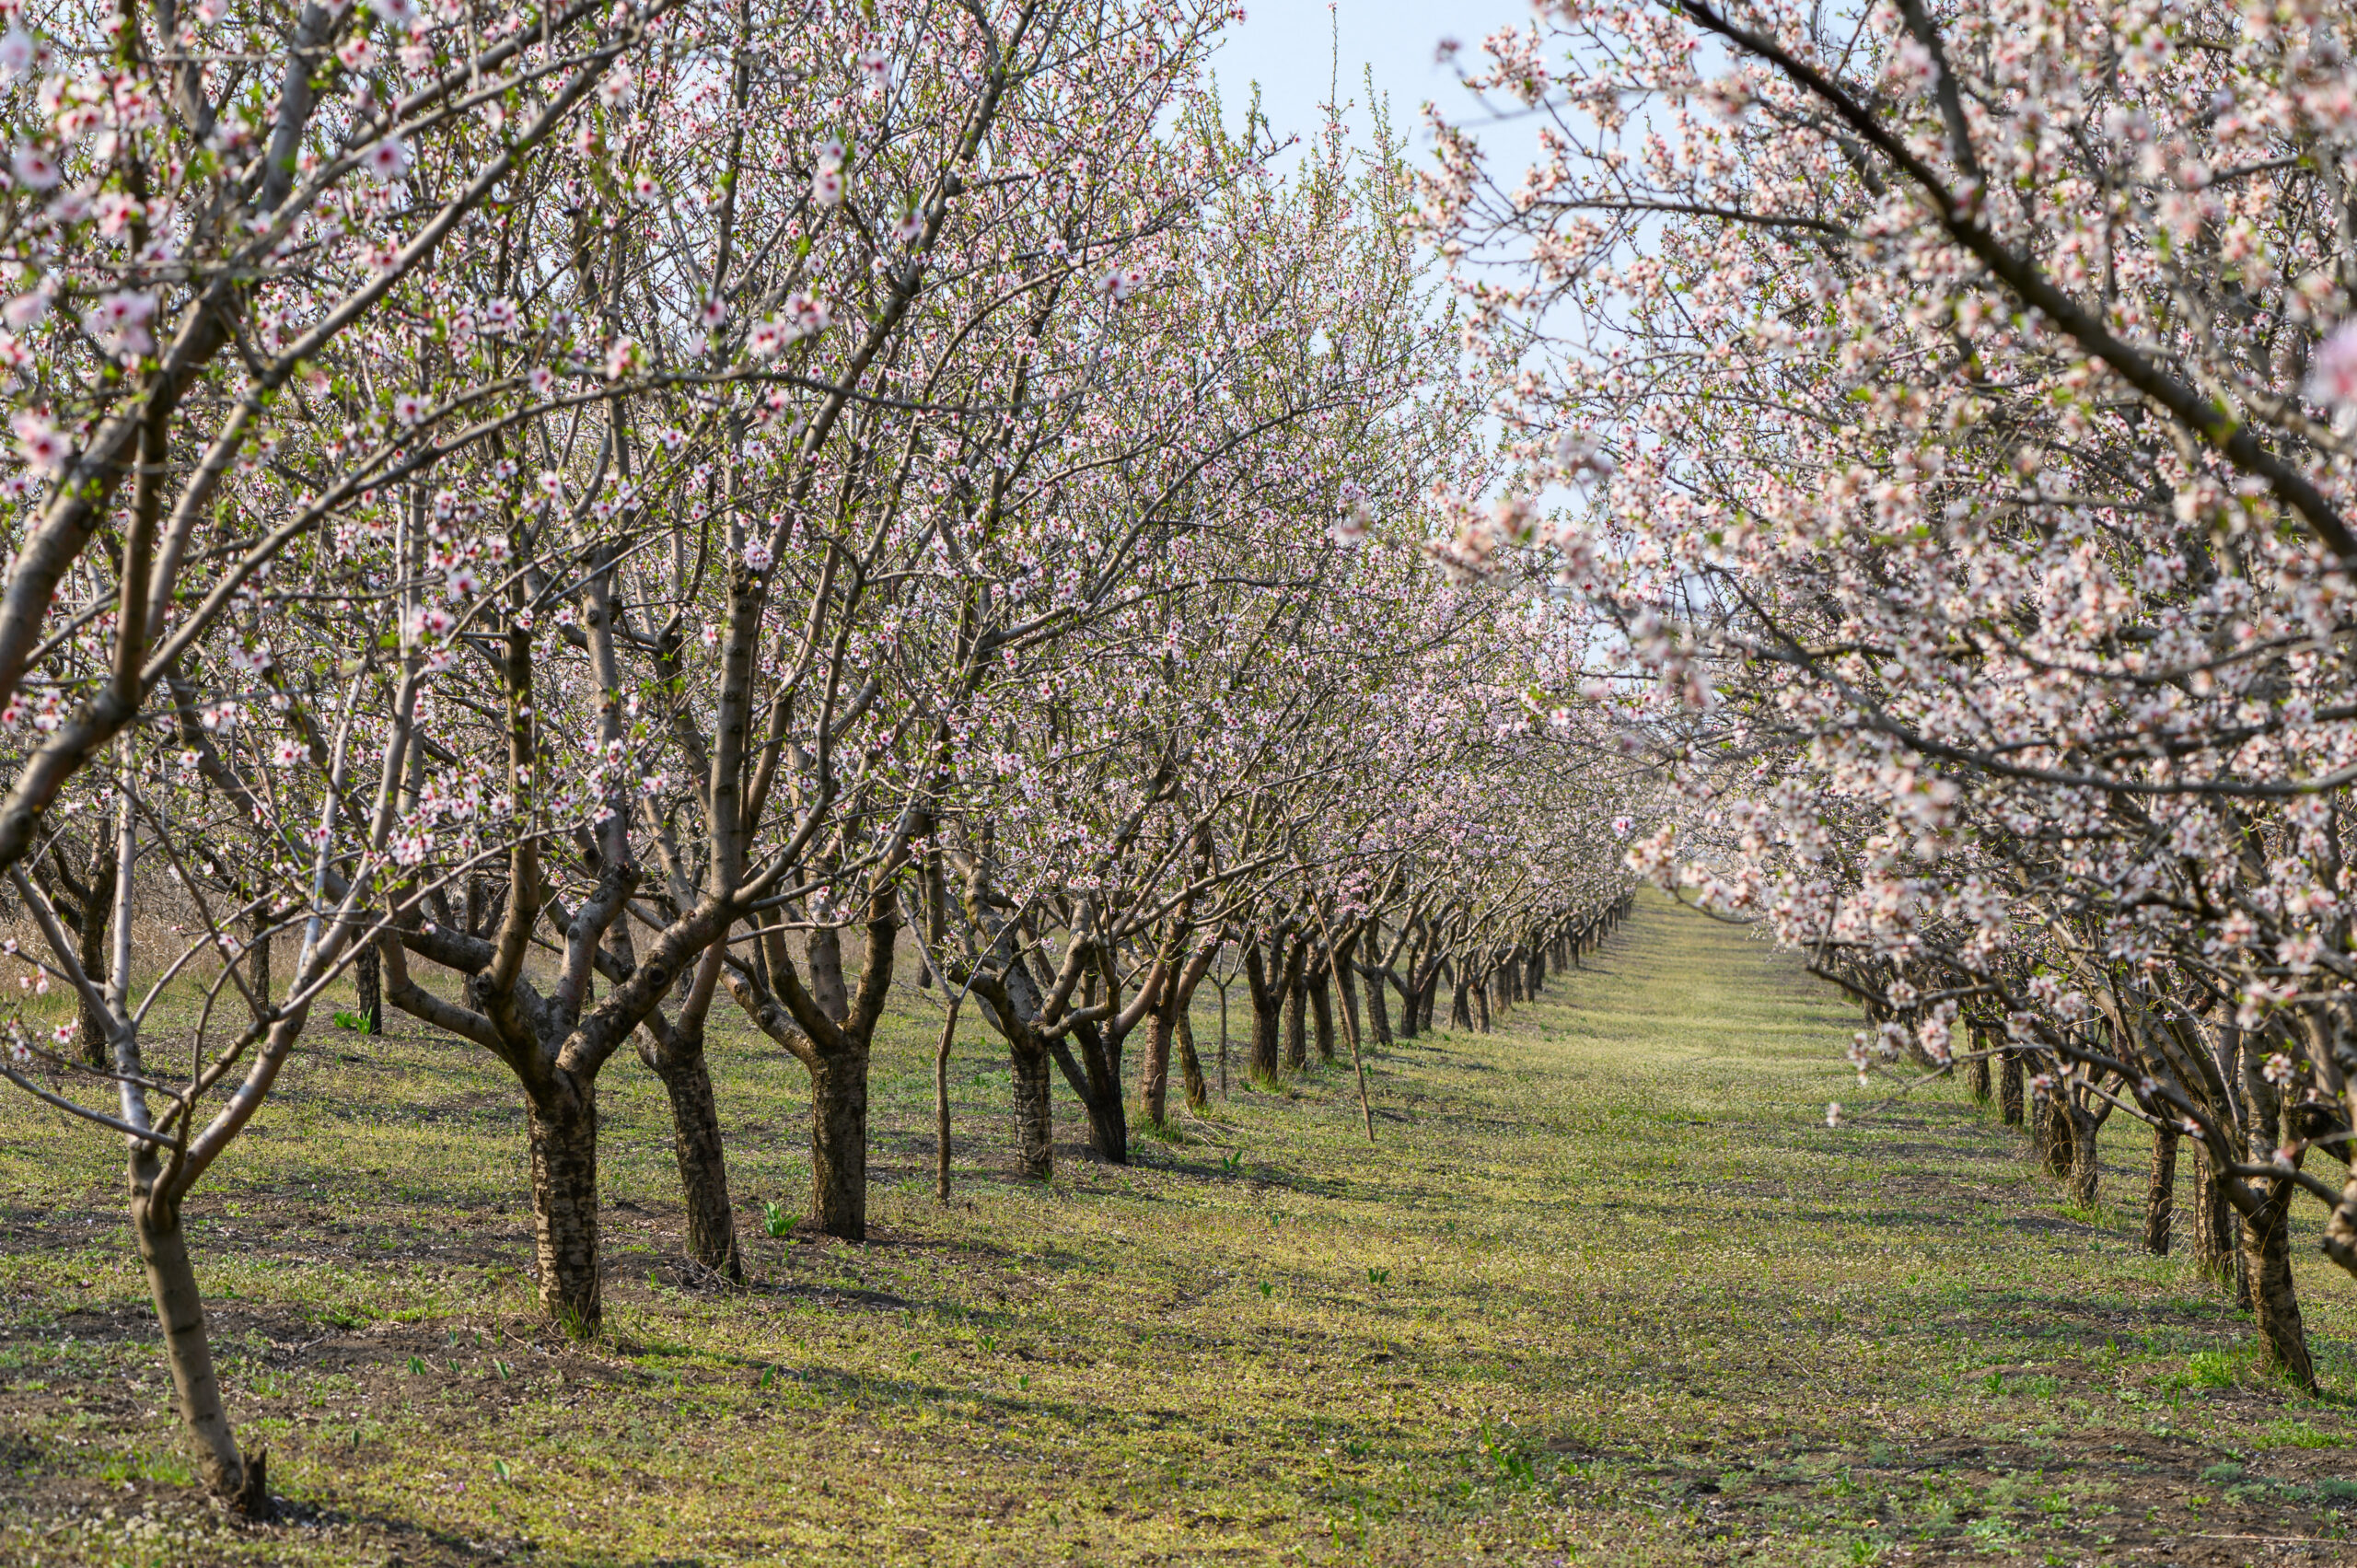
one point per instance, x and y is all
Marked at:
(1288, 46)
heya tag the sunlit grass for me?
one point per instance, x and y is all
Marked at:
(1606, 1289)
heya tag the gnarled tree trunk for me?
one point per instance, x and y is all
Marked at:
(561, 1127)
(1035, 1124)
(839, 1140)
(2267, 1255)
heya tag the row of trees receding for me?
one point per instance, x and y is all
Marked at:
(1953, 406)
(569, 520)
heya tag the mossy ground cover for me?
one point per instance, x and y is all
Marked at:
(1606, 1289)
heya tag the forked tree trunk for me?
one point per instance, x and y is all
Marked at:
(2267, 1255)
(2009, 1088)
(1410, 1006)
(196, 1388)
(1977, 1077)
(561, 1126)
(1460, 1005)
(696, 1146)
(839, 1142)
(1035, 1125)
(2160, 1193)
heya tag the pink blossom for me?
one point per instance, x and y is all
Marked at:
(387, 160)
(121, 321)
(2332, 371)
(805, 315)
(35, 168)
(40, 442)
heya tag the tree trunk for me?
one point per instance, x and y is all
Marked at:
(1109, 1126)
(1095, 1076)
(704, 1162)
(1321, 1009)
(1267, 1051)
(2267, 1253)
(1191, 1066)
(98, 914)
(561, 1125)
(2213, 1222)
(941, 1100)
(1378, 1009)
(1430, 997)
(1268, 1017)
(839, 1142)
(1976, 1077)
(1296, 1023)
(2160, 1193)
(1460, 1005)
(367, 978)
(1346, 981)
(1481, 997)
(1154, 1067)
(1035, 1124)
(2009, 1088)
(179, 1311)
(1411, 1006)
(2085, 1170)
(2053, 1135)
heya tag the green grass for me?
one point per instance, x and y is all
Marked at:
(1606, 1290)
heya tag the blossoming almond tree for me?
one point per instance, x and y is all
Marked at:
(207, 207)
(1959, 446)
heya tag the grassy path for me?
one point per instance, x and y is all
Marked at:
(1606, 1290)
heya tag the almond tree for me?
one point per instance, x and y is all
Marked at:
(207, 209)
(1959, 456)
